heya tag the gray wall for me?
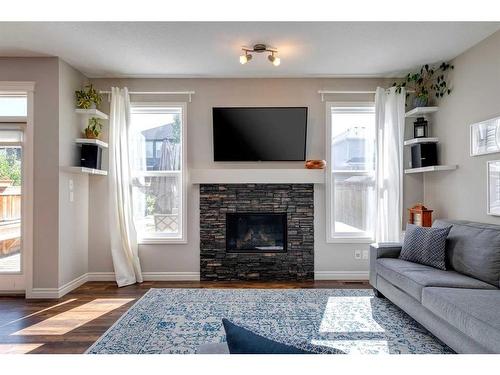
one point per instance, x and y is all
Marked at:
(73, 216)
(44, 71)
(60, 234)
(229, 92)
(461, 194)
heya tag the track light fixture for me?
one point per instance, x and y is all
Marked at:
(259, 48)
(246, 57)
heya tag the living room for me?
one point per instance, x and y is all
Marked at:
(289, 187)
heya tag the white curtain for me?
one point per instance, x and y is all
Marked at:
(390, 121)
(123, 235)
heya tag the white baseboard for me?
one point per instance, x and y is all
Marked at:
(101, 276)
(61, 291)
(148, 276)
(341, 275)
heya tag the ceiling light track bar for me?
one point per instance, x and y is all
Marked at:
(188, 93)
(326, 92)
(259, 48)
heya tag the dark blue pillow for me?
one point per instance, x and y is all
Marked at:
(242, 341)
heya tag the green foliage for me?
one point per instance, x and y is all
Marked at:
(10, 168)
(176, 129)
(430, 81)
(150, 204)
(94, 127)
(87, 96)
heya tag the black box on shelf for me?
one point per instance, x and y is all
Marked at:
(91, 156)
(423, 155)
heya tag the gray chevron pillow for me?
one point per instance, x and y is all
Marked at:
(425, 246)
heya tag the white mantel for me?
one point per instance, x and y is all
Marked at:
(257, 176)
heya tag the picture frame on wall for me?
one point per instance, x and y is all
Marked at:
(493, 183)
(485, 137)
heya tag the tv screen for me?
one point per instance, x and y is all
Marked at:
(260, 134)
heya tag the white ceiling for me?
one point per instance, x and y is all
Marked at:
(197, 49)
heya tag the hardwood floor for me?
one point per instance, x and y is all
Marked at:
(74, 322)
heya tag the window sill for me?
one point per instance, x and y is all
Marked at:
(162, 241)
(365, 240)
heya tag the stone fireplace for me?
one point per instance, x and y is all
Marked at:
(256, 231)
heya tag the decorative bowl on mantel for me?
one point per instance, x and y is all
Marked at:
(315, 164)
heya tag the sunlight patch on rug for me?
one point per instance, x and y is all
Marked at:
(349, 314)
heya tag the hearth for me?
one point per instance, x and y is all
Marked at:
(256, 232)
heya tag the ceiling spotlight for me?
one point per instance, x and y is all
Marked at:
(259, 48)
(275, 60)
(246, 57)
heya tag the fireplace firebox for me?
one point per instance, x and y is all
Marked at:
(256, 232)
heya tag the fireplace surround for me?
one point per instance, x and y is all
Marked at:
(263, 208)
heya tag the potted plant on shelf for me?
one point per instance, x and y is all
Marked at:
(429, 82)
(93, 129)
(88, 97)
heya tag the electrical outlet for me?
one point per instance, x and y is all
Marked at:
(365, 254)
(357, 254)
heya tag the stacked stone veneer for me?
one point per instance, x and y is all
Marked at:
(297, 200)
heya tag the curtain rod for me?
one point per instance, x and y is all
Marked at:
(323, 92)
(189, 93)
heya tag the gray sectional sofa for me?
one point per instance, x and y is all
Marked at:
(460, 306)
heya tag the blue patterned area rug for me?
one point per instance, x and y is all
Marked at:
(349, 320)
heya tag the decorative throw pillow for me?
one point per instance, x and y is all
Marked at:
(242, 341)
(425, 246)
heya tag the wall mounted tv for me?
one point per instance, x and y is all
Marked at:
(260, 133)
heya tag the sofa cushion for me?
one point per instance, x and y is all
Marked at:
(473, 249)
(413, 277)
(473, 312)
(425, 245)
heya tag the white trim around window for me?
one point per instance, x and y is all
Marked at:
(331, 236)
(182, 237)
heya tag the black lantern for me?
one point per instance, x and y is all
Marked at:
(420, 128)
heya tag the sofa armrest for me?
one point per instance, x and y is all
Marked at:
(381, 250)
(385, 250)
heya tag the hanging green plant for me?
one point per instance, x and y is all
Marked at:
(94, 128)
(430, 82)
(87, 97)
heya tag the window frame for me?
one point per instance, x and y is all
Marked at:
(331, 236)
(162, 238)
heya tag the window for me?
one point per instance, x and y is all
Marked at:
(351, 172)
(158, 171)
(13, 105)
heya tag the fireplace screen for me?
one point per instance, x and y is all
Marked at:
(256, 232)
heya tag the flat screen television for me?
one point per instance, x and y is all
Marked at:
(260, 133)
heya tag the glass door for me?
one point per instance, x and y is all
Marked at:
(12, 125)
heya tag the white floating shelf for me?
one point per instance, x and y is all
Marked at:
(421, 111)
(84, 170)
(434, 168)
(86, 141)
(415, 141)
(92, 113)
(257, 176)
